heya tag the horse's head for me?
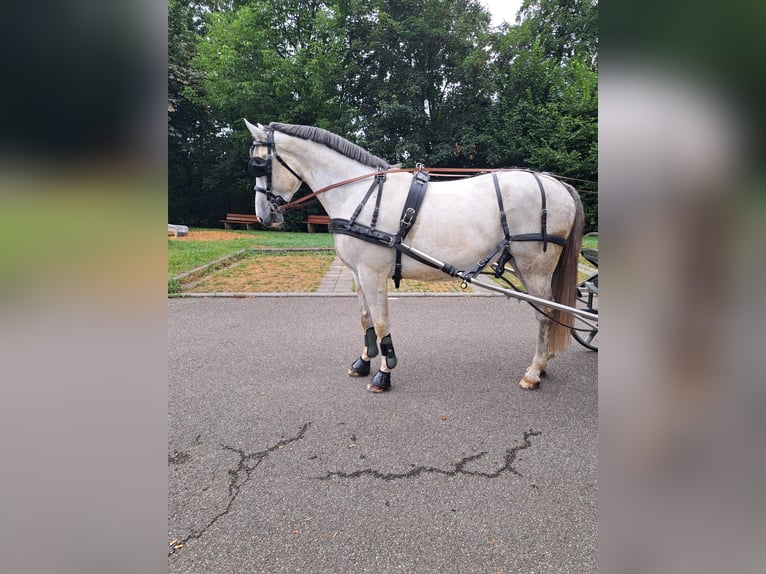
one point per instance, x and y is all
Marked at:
(275, 183)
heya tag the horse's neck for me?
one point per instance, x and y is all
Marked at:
(322, 167)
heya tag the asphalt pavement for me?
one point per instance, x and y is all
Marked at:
(280, 462)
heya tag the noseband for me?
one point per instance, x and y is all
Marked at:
(262, 167)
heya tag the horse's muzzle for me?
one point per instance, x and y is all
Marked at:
(273, 219)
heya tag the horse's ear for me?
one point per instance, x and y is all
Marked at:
(256, 131)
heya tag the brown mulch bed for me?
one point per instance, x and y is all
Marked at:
(209, 235)
(413, 286)
(296, 272)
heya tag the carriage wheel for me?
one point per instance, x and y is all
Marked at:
(587, 298)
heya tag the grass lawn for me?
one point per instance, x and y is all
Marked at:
(253, 272)
(202, 246)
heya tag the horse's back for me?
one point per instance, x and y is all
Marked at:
(463, 217)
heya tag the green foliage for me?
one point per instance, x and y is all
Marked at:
(196, 152)
(566, 29)
(411, 80)
(416, 74)
(547, 111)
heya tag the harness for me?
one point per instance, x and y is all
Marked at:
(263, 167)
(409, 215)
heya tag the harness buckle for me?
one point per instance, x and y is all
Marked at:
(407, 217)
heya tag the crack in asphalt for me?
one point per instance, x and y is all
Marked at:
(238, 477)
(457, 468)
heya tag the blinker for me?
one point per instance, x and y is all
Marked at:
(259, 167)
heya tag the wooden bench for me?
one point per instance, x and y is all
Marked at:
(246, 219)
(314, 220)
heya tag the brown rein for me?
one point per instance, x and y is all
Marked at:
(435, 171)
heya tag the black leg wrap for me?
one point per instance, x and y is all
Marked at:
(371, 342)
(387, 346)
(381, 380)
(360, 368)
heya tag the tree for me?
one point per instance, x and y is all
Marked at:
(547, 93)
(267, 61)
(191, 149)
(566, 29)
(411, 80)
(277, 60)
(411, 66)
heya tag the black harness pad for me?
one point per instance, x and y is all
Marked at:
(415, 197)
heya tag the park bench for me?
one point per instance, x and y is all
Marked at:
(313, 220)
(245, 219)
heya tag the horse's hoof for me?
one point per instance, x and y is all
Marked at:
(380, 383)
(526, 383)
(360, 368)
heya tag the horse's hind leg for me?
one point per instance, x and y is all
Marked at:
(539, 286)
(361, 367)
(531, 378)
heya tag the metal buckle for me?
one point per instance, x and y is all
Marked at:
(408, 216)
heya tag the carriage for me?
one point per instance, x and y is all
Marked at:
(397, 222)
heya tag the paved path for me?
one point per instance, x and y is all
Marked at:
(280, 462)
(337, 280)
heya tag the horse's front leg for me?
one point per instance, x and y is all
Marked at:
(361, 367)
(373, 289)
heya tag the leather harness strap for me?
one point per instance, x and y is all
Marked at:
(543, 213)
(363, 232)
(377, 182)
(503, 216)
(409, 214)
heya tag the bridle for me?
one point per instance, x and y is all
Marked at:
(262, 167)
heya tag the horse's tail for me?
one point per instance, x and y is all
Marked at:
(564, 282)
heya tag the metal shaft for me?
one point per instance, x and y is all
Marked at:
(584, 315)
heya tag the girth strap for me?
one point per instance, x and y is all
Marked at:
(412, 204)
(409, 214)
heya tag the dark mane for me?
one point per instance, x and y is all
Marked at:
(333, 141)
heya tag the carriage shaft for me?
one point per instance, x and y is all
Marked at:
(586, 316)
(582, 314)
